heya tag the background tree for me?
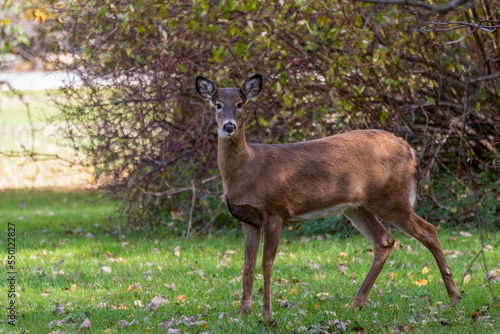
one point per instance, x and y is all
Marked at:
(427, 73)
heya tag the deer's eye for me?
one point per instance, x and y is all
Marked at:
(218, 106)
(239, 105)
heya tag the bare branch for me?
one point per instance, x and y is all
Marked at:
(435, 9)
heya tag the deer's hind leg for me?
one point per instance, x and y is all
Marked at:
(425, 232)
(369, 225)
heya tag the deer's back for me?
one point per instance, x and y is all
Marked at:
(320, 177)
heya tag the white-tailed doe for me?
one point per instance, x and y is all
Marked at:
(366, 175)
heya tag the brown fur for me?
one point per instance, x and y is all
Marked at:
(367, 174)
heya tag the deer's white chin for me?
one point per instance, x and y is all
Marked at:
(224, 134)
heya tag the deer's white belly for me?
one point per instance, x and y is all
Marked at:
(328, 212)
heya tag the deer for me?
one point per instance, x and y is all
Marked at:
(367, 175)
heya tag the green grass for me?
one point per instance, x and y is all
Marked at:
(313, 278)
(14, 120)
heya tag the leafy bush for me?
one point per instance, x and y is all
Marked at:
(329, 67)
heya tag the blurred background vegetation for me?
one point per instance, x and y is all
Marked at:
(426, 71)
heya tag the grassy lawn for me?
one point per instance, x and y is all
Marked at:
(74, 270)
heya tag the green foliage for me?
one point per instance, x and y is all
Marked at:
(329, 67)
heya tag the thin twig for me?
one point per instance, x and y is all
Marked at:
(435, 9)
(193, 188)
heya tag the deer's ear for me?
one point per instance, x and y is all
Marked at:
(205, 88)
(252, 87)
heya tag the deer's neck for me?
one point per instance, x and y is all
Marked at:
(232, 156)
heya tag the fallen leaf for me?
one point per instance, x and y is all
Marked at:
(420, 282)
(425, 270)
(138, 303)
(51, 324)
(165, 324)
(293, 291)
(85, 324)
(232, 320)
(59, 262)
(89, 235)
(393, 275)
(317, 305)
(59, 309)
(176, 215)
(467, 279)
(107, 270)
(174, 331)
(344, 254)
(342, 268)
(45, 294)
(171, 286)
(177, 251)
(235, 280)
(132, 287)
(123, 324)
(465, 234)
(304, 240)
(159, 299)
(73, 287)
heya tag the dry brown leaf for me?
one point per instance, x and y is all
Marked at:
(159, 299)
(59, 309)
(85, 324)
(174, 331)
(165, 324)
(123, 324)
(177, 251)
(171, 286)
(73, 287)
(342, 268)
(420, 282)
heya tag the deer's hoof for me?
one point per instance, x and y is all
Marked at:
(245, 310)
(356, 305)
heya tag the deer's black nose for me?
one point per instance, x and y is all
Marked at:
(229, 128)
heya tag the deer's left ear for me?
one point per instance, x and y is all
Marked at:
(252, 87)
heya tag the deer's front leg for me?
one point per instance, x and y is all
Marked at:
(272, 234)
(252, 240)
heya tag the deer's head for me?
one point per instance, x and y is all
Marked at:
(229, 102)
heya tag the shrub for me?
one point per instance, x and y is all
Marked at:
(329, 67)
